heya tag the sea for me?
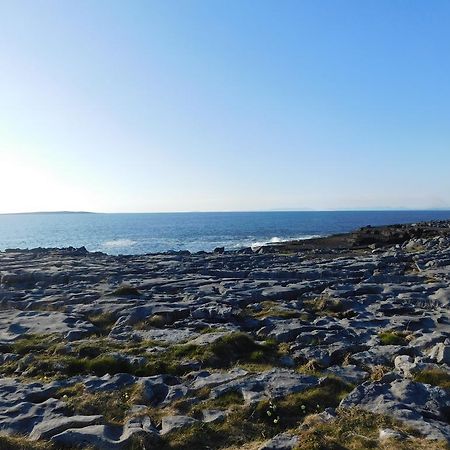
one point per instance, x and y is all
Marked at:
(143, 233)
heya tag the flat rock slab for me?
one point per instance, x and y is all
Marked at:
(284, 441)
(102, 437)
(171, 423)
(51, 427)
(207, 338)
(168, 336)
(350, 374)
(422, 406)
(15, 323)
(272, 384)
(207, 379)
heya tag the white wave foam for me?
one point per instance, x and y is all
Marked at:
(275, 240)
(119, 243)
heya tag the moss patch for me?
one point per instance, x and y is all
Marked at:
(435, 377)
(112, 405)
(126, 291)
(33, 343)
(103, 321)
(392, 338)
(326, 306)
(273, 309)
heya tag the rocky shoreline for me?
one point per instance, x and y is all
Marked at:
(338, 342)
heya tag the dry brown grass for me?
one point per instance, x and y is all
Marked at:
(355, 429)
(22, 443)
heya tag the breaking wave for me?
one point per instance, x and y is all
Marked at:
(275, 240)
(119, 243)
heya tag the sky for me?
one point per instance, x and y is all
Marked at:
(220, 105)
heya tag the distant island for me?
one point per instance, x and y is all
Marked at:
(47, 212)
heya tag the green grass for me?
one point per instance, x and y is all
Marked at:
(225, 401)
(392, 338)
(55, 359)
(247, 423)
(112, 405)
(126, 291)
(33, 343)
(435, 377)
(22, 443)
(294, 408)
(325, 306)
(154, 321)
(212, 329)
(355, 429)
(273, 309)
(103, 321)
(222, 353)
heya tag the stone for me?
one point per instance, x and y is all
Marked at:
(15, 323)
(388, 433)
(213, 415)
(440, 353)
(419, 405)
(102, 437)
(207, 338)
(350, 373)
(48, 428)
(272, 384)
(284, 441)
(109, 382)
(207, 379)
(213, 311)
(171, 423)
(286, 330)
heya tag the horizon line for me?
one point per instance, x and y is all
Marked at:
(381, 209)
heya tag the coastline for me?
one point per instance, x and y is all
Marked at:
(154, 233)
(357, 320)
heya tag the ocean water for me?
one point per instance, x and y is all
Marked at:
(159, 232)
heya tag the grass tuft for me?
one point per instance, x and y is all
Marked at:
(126, 291)
(392, 338)
(435, 377)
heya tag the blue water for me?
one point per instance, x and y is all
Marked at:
(158, 232)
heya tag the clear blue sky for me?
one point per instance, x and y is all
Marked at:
(224, 105)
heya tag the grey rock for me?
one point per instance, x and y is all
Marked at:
(48, 428)
(103, 437)
(206, 339)
(109, 382)
(171, 423)
(213, 312)
(419, 405)
(440, 353)
(275, 383)
(207, 379)
(350, 374)
(213, 415)
(284, 441)
(286, 330)
(388, 433)
(15, 323)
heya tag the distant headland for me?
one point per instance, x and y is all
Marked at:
(46, 212)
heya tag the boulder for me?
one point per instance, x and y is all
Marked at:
(171, 423)
(421, 406)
